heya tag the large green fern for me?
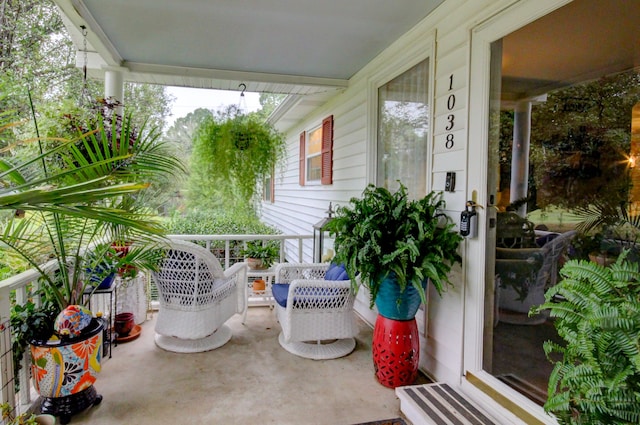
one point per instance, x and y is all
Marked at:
(596, 377)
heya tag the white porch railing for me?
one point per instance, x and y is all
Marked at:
(225, 247)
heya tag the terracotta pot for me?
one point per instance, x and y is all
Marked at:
(259, 285)
(123, 323)
(255, 264)
(602, 258)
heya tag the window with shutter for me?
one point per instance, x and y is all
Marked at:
(316, 154)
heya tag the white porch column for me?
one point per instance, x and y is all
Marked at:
(114, 84)
(520, 153)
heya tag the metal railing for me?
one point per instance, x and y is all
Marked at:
(18, 289)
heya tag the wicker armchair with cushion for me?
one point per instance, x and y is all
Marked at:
(196, 298)
(524, 274)
(314, 305)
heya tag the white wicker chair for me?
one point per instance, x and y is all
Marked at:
(196, 298)
(318, 321)
(536, 269)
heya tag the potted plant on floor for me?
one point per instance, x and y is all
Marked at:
(394, 246)
(72, 195)
(596, 374)
(10, 418)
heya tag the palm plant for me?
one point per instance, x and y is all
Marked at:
(608, 228)
(79, 195)
(602, 214)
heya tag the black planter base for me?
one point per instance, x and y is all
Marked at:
(67, 406)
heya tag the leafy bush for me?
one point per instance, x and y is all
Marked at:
(383, 233)
(267, 252)
(197, 222)
(29, 322)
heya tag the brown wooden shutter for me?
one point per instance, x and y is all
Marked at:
(302, 157)
(327, 150)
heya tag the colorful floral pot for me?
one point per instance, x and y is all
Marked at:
(65, 367)
(396, 305)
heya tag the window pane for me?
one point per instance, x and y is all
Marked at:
(314, 143)
(268, 196)
(313, 150)
(403, 130)
(314, 168)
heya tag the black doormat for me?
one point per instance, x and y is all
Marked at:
(394, 421)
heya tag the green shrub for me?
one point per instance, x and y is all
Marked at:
(217, 223)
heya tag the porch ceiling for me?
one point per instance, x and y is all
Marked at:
(282, 46)
(583, 40)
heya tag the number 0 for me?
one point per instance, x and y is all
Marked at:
(451, 101)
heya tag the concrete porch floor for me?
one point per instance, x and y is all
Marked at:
(250, 380)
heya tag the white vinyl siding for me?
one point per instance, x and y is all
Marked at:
(445, 342)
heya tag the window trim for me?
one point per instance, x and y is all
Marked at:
(269, 186)
(410, 57)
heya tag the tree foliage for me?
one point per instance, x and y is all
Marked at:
(38, 70)
(580, 138)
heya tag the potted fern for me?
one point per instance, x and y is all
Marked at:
(596, 374)
(394, 246)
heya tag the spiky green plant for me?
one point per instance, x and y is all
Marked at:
(384, 232)
(596, 311)
(80, 195)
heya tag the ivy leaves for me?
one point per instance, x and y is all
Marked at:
(233, 154)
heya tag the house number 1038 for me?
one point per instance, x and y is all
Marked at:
(451, 118)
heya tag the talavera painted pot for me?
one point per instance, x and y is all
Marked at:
(65, 367)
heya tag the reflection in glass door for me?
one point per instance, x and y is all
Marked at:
(560, 141)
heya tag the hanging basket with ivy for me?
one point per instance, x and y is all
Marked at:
(240, 149)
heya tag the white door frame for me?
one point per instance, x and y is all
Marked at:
(498, 26)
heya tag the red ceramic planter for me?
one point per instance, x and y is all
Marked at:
(123, 324)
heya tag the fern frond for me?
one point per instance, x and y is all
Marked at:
(597, 381)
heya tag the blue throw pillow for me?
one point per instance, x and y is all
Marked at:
(336, 272)
(280, 293)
